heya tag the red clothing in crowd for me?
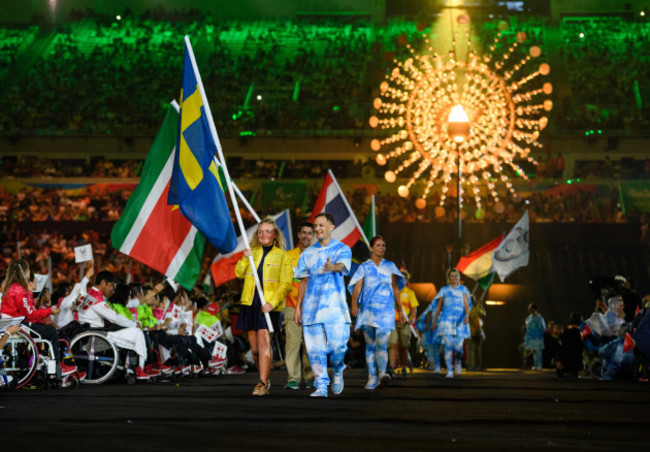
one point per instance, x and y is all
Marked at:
(19, 302)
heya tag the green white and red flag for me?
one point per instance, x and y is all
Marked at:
(149, 230)
(478, 265)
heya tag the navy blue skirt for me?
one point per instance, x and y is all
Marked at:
(251, 318)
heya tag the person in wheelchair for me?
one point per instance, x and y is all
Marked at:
(64, 296)
(149, 323)
(123, 332)
(18, 301)
(206, 318)
(614, 318)
(167, 330)
(179, 322)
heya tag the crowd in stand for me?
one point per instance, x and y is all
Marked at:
(547, 168)
(15, 168)
(592, 204)
(11, 42)
(623, 169)
(601, 206)
(123, 61)
(607, 97)
(290, 75)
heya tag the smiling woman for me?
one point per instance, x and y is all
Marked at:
(375, 290)
(275, 273)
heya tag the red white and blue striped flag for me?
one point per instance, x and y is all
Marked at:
(331, 199)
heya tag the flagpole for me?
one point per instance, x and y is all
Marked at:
(345, 201)
(241, 195)
(233, 198)
(289, 239)
(374, 217)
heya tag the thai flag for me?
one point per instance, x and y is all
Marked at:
(332, 200)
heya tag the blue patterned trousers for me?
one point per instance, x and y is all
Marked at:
(376, 349)
(321, 340)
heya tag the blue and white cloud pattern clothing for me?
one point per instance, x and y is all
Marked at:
(534, 336)
(430, 335)
(452, 313)
(377, 300)
(324, 300)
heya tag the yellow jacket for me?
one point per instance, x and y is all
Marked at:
(292, 298)
(278, 276)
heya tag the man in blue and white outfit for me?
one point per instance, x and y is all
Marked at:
(322, 307)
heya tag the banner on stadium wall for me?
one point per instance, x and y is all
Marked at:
(635, 195)
(280, 195)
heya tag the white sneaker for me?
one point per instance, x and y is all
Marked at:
(372, 383)
(337, 383)
(437, 370)
(319, 393)
(450, 375)
(384, 380)
(458, 369)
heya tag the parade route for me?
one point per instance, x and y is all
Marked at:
(509, 409)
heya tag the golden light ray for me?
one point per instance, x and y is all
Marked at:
(506, 101)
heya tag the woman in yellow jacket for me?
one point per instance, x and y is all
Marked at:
(276, 275)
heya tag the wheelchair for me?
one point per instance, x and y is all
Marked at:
(96, 355)
(25, 356)
(18, 361)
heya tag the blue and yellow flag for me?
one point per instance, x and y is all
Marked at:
(195, 183)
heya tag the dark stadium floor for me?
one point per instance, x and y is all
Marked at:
(499, 408)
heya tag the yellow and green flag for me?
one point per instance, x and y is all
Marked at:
(196, 186)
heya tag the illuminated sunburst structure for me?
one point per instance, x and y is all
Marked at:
(504, 97)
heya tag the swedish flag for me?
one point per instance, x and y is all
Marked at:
(195, 183)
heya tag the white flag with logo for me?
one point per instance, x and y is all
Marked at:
(83, 253)
(513, 252)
